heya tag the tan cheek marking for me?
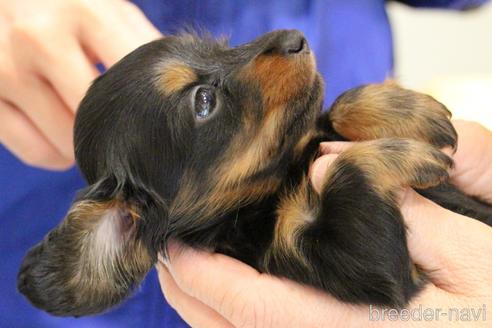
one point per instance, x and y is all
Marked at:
(227, 186)
(279, 78)
(202, 205)
(175, 76)
(244, 159)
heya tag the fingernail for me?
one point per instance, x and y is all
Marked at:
(325, 148)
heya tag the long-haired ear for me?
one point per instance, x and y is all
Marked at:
(93, 259)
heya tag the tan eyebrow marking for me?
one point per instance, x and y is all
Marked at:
(174, 76)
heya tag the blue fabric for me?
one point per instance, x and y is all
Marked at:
(352, 40)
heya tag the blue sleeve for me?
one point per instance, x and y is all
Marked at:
(452, 4)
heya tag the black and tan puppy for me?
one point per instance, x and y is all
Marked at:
(190, 140)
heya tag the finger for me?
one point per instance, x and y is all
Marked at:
(48, 113)
(448, 246)
(111, 37)
(42, 50)
(71, 76)
(194, 312)
(246, 298)
(430, 297)
(473, 159)
(211, 269)
(136, 18)
(318, 169)
(22, 138)
(335, 147)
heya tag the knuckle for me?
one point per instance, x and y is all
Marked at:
(246, 311)
(475, 126)
(31, 34)
(93, 14)
(27, 29)
(131, 7)
(245, 316)
(6, 72)
(469, 125)
(85, 8)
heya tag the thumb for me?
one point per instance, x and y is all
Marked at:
(218, 281)
(318, 170)
(450, 247)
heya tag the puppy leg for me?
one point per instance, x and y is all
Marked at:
(351, 240)
(388, 111)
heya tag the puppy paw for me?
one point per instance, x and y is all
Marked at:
(392, 163)
(388, 111)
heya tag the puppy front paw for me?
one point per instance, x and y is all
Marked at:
(389, 164)
(388, 111)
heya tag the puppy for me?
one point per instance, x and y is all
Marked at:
(191, 140)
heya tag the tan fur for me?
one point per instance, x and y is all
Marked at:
(417, 277)
(293, 213)
(246, 158)
(387, 110)
(390, 164)
(174, 76)
(301, 145)
(241, 160)
(99, 257)
(219, 198)
(281, 78)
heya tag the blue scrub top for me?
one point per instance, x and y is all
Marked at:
(352, 41)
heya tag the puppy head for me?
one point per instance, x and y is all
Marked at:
(179, 132)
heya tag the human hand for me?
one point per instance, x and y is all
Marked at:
(48, 52)
(473, 160)
(215, 290)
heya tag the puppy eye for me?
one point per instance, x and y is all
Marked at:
(204, 102)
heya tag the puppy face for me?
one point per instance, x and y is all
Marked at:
(177, 133)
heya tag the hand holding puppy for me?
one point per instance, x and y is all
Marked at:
(213, 290)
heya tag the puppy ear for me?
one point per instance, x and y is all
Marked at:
(92, 260)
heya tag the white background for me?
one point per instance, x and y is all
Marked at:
(447, 54)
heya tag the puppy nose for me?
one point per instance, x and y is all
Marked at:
(289, 42)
